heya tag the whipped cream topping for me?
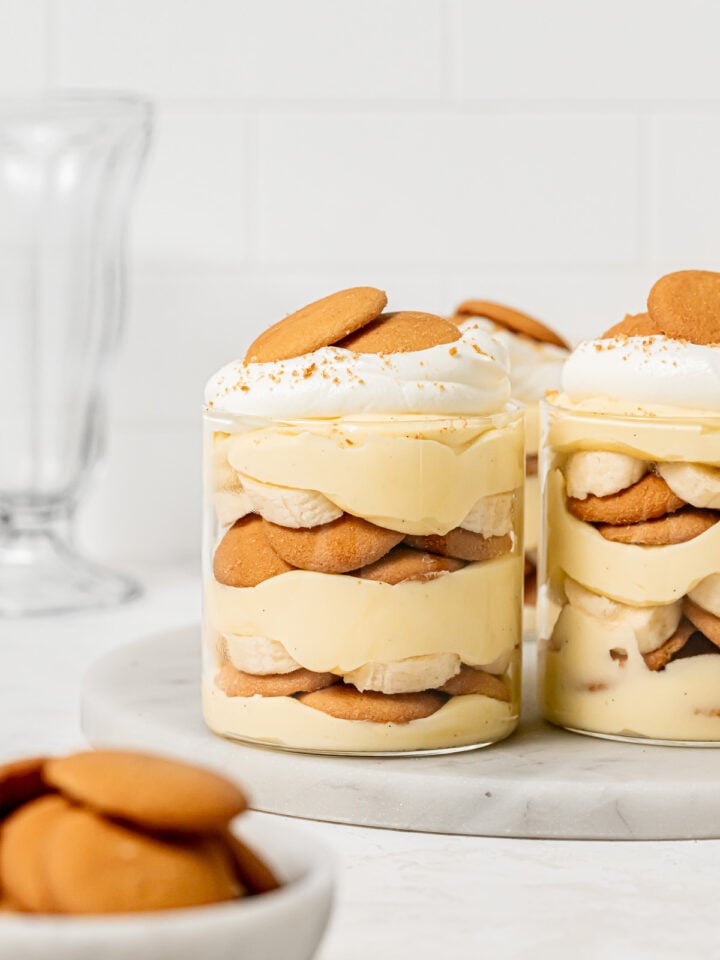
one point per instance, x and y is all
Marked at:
(469, 376)
(534, 366)
(643, 371)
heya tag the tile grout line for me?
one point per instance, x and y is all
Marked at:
(452, 105)
(50, 44)
(410, 268)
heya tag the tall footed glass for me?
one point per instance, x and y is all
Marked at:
(68, 168)
(351, 605)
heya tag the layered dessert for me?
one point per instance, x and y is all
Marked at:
(363, 554)
(630, 604)
(536, 354)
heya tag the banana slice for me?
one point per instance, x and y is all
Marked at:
(695, 483)
(231, 506)
(601, 473)
(491, 516)
(405, 676)
(288, 507)
(223, 474)
(229, 500)
(499, 665)
(259, 655)
(707, 594)
(652, 626)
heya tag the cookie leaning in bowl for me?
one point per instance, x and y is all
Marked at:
(364, 472)
(120, 832)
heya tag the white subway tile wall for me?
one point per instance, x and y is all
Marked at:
(617, 49)
(557, 156)
(23, 46)
(444, 189)
(192, 205)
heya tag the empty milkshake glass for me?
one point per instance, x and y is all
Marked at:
(68, 169)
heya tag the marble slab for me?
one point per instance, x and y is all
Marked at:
(542, 783)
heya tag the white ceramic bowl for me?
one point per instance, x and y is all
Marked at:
(288, 923)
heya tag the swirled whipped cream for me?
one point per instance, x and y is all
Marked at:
(468, 376)
(642, 374)
(534, 366)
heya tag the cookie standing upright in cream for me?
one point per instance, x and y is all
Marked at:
(536, 354)
(363, 573)
(630, 606)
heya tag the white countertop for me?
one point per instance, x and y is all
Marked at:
(404, 894)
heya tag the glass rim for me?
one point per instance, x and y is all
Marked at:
(512, 411)
(33, 106)
(689, 416)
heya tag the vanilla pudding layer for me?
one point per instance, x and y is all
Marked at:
(336, 623)
(583, 687)
(416, 476)
(284, 721)
(652, 433)
(532, 427)
(533, 500)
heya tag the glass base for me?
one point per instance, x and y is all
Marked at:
(647, 741)
(387, 754)
(40, 575)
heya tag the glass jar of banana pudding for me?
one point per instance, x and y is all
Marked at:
(536, 353)
(630, 596)
(363, 535)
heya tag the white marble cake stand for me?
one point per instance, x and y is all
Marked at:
(542, 782)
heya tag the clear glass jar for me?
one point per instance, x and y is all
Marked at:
(348, 605)
(629, 610)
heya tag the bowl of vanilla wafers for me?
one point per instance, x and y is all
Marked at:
(116, 854)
